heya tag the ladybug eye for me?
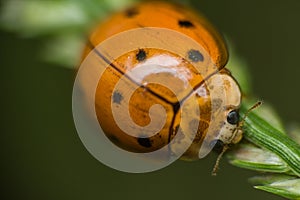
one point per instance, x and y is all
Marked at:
(233, 117)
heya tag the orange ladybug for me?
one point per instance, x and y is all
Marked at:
(163, 82)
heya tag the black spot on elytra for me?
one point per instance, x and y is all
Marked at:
(185, 24)
(195, 55)
(117, 97)
(131, 12)
(141, 55)
(145, 142)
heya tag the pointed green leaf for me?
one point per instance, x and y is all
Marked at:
(251, 157)
(269, 178)
(287, 188)
(35, 17)
(261, 133)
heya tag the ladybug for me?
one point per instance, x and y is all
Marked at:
(200, 98)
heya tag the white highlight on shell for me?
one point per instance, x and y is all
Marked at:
(160, 64)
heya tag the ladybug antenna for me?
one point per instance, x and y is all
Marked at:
(216, 167)
(240, 125)
(257, 104)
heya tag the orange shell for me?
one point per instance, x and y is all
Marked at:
(164, 15)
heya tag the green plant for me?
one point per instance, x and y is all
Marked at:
(266, 149)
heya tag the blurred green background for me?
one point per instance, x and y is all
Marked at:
(43, 158)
